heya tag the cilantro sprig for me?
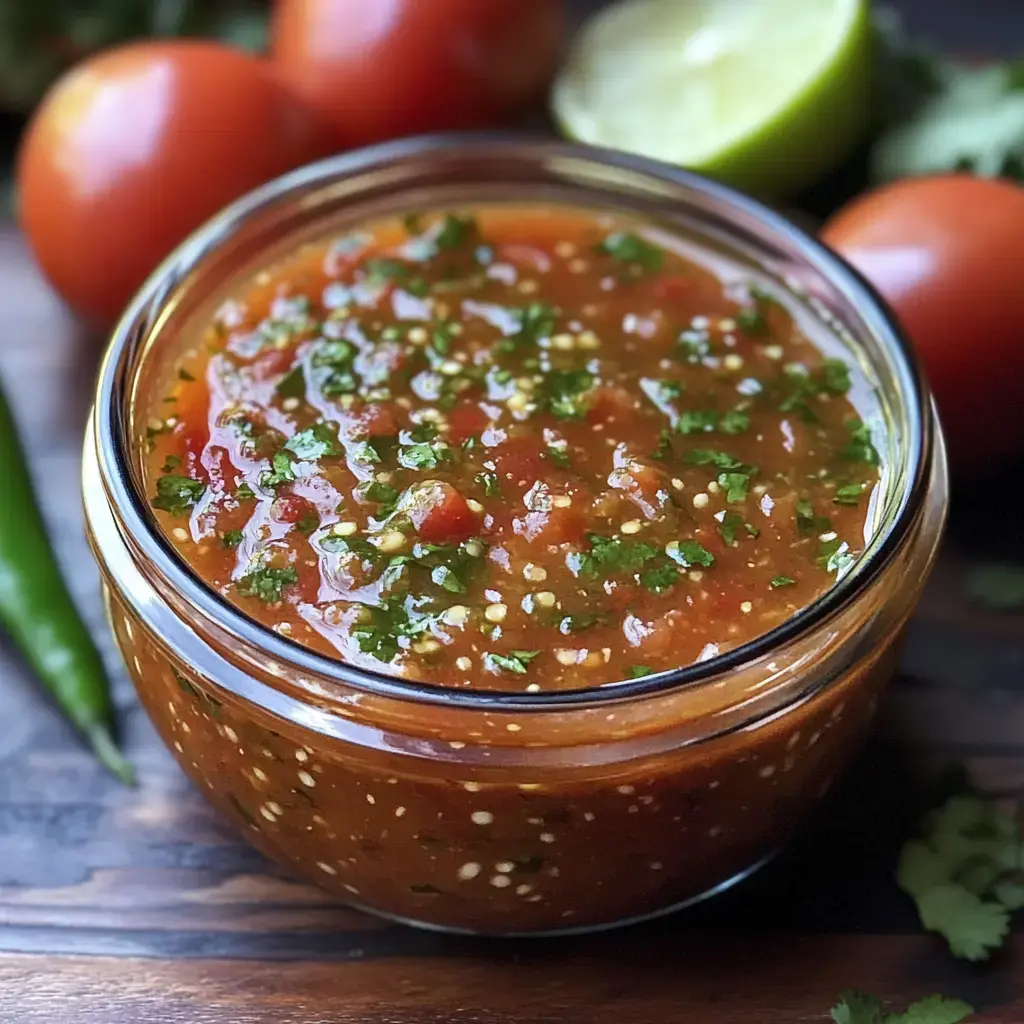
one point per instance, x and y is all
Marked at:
(966, 874)
(177, 494)
(860, 1008)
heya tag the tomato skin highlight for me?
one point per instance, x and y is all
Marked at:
(377, 69)
(133, 149)
(945, 252)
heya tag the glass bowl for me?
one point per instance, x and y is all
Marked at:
(502, 813)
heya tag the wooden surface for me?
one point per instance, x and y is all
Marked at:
(140, 906)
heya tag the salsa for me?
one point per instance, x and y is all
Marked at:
(512, 448)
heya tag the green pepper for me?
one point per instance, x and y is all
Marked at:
(38, 611)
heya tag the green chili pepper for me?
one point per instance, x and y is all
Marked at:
(37, 609)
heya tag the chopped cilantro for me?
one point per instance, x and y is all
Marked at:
(335, 357)
(385, 268)
(736, 486)
(364, 452)
(535, 321)
(577, 623)
(736, 421)
(177, 494)
(782, 581)
(314, 443)
(666, 390)
(834, 377)
(835, 556)
(860, 447)
(413, 224)
(729, 527)
(661, 578)
(232, 538)
(171, 463)
(359, 546)
(267, 583)
(516, 661)
(558, 455)
(697, 421)
(244, 492)
(664, 450)
(441, 338)
(424, 455)
(806, 521)
(445, 578)
(694, 344)
(565, 390)
(308, 523)
(183, 374)
(455, 231)
(384, 625)
(848, 494)
(632, 249)
(292, 384)
(752, 321)
(689, 553)
(1000, 587)
(709, 457)
(382, 494)
(639, 671)
(614, 555)
(280, 473)
(490, 484)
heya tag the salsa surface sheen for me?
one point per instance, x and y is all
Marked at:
(511, 449)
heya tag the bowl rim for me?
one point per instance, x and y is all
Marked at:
(135, 519)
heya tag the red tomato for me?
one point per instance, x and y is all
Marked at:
(382, 68)
(440, 515)
(134, 148)
(946, 252)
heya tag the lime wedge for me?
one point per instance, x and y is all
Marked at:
(765, 95)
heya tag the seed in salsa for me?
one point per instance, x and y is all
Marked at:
(512, 448)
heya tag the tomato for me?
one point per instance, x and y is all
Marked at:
(440, 515)
(946, 252)
(377, 69)
(136, 147)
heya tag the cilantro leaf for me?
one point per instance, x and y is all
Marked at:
(736, 486)
(848, 494)
(535, 321)
(972, 926)
(267, 583)
(729, 526)
(752, 321)
(860, 447)
(177, 494)
(781, 581)
(736, 421)
(314, 443)
(664, 450)
(292, 384)
(280, 473)
(516, 661)
(632, 249)
(386, 268)
(696, 421)
(999, 587)
(424, 455)
(639, 671)
(660, 578)
(614, 555)
(710, 457)
(232, 538)
(455, 231)
(565, 390)
(559, 456)
(489, 482)
(934, 1010)
(689, 553)
(858, 1008)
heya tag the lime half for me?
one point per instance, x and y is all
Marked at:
(763, 94)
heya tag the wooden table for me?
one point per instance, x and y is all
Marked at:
(141, 906)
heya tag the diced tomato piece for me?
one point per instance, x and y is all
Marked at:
(611, 404)
(274, 362)
(670, 287)
(440, 515)
(519, 461)
(467, 420)
(554, 526)
(291, 509)
(377, 420)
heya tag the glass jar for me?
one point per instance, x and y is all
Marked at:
(505, 813)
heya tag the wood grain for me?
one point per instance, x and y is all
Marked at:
(142, 906)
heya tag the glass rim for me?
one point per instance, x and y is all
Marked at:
(135, 518)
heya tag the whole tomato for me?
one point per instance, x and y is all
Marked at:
(947, 253)
(377, 69)
(133, 149)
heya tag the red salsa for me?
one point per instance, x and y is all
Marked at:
(512, 448)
